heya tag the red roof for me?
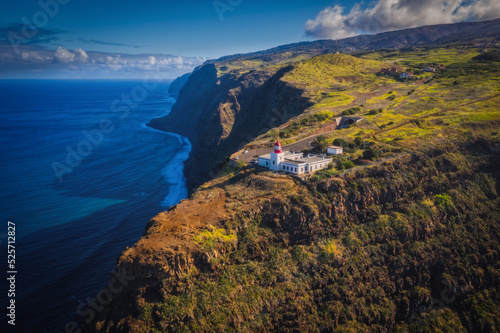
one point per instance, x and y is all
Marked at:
(277, 143)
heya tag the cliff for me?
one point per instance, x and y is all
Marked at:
(409, 244)
(177, 85)
(220, 114)
(402, 235)
(227, 103)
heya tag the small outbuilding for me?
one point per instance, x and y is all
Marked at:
(335, 150)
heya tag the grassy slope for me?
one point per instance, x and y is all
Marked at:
(456, 95)
(408, 246)
(358, 278)
(411, 244)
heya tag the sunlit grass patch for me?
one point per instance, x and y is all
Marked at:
(408, 132)
(209, 239)
(331, 249)
(334, 100)
(485, 116)
(327, 70)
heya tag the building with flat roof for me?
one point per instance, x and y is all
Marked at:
(335, 150)
(293, 162)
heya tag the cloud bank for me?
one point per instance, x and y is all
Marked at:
(388, 15)
(25, 53)
(32, 61)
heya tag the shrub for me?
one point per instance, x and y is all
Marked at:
(208, 239)
(330, 250)
(370, 154)
(346, 164)
(340, 143)
(350, 149)
(320, 143)
(284, 134)
(392, 97)
(388, 124)
(325, 173)
(315, 178)
(358, 141)
(443, 200)
(488, 56)
(240, 164)
(351, 111)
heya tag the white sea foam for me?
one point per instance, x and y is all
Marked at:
(173, 171)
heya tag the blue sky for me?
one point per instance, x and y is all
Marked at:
(190, 28)
(117, 39)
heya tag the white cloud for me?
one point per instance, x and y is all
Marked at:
(64, 56)
(81, 56)
(148, 63)
(37, 57)
(68, 63)
(151, 60)
(388, 15)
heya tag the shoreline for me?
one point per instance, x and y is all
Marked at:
(174, 176)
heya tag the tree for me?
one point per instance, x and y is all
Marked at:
(345, 164)
(320, 143)
(340, 143)
(370, 154)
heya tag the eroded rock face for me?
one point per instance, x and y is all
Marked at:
(297, 214)
(220, 114)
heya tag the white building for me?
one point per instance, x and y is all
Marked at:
(292, 162)
(406, 75)
(335, 150)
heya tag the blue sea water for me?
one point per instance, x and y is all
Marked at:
(81, 175)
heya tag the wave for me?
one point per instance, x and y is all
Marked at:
(173, 171)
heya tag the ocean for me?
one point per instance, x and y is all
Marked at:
(81, 176)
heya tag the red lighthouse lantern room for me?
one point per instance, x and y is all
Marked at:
(277, 147)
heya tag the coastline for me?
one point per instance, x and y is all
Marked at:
(174, 176)
(79, 226)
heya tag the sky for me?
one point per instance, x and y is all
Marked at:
(130, 38)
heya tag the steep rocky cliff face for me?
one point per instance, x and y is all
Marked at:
(177, 85)
(408, 245)
(221, 114)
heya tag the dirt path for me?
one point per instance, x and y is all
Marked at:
(296, 146)
(305, 142)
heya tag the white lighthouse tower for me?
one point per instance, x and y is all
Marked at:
(277, 157)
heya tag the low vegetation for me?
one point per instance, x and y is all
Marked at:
(400, 234)
(374, 252)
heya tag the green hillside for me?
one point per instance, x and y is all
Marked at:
(402, 234)
(397, 113)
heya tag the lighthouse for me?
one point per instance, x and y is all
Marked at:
(277, 157)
